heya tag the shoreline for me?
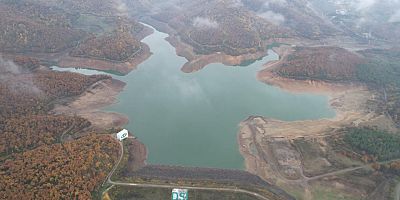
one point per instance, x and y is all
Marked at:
(89, 105)
(67, 61)
(96, 64)
(196, 62)
(350, 101)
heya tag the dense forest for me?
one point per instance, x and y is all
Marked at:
(68, 27)
(60, 171)
(215, 26)
(36, 28)
(35, 163)
(379, 144)
(320, 63)
(31, 131)
(382, 73)
(42, 155)
(117, 46)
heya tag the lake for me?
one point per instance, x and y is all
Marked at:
(192, 119)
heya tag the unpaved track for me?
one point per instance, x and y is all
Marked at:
(305, 179)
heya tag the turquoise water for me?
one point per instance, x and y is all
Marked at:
(192, 119)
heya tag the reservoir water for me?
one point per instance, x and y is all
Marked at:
(192, 119)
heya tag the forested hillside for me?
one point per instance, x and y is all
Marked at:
(52, 30)
(60, 171)
(320, 63)
(35, 162)
(377, 68)
(382, 72)
(117, 46)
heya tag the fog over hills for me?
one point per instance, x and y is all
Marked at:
(338, 58)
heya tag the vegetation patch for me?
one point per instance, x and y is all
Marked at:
(380, 144)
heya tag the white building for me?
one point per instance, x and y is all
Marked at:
(122, 135)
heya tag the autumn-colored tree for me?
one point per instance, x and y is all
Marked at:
(68, 171)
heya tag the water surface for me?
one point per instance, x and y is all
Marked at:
(192, 119)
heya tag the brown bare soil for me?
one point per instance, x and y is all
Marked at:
(197, 62)
(89, 104)
(269, 146)
(137, 156)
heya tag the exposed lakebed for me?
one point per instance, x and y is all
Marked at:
(192, 119)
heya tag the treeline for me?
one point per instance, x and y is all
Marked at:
(60, 171)
(379, 144)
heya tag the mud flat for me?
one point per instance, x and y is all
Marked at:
(89, 104)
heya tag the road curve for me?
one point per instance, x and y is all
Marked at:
(121, 155)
